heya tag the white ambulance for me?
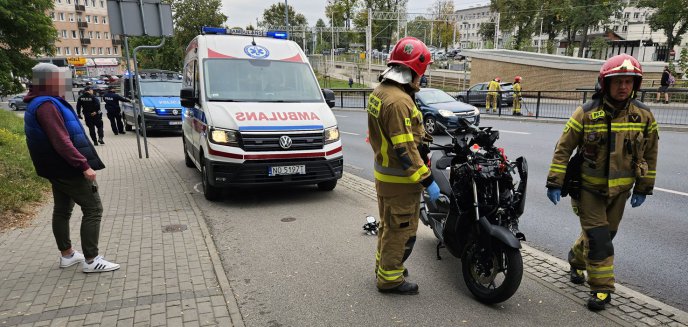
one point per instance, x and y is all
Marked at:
(254, 114)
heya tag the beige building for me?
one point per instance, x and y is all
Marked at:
(83, 30)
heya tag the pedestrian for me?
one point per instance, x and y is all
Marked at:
(113, 111)
(351, 82)
(493, 91)
(61, 153)
(517, 96)
(93, 115)
(664, 84)
(423, 81)
(617, 138)
(398, 140)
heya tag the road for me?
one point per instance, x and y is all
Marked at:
(651, 245)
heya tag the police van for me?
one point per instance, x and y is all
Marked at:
(160, 96)
(254, 114)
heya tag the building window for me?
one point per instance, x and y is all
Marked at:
(73, 34)
(71, 17)
(100, 50)
(52, 15)
(59, 1)
(624, 28)
(90, 34)
(88, 18)
(69, 2)
(95, 19)
(102, 4)
(626, 15)
(58, 50)
(615, 28)
(61, 15)
(115, 50)
(64, 34)
(93, 3)
(93, 51)
(76, 50)
(81, 34)
(107, 35)
(84, 50)
(97, 35)
(67, 51)
(104, 20)
(636, 15)
(108, 50)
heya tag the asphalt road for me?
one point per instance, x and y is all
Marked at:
(651, 245)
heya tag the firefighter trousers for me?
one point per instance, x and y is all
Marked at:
(517, 105)
(396, 237)
(593, 251)
(491, 100)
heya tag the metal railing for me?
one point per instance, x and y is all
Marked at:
(544, 104)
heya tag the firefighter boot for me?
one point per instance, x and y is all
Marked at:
(575, 275)
(598, 300)
(405, 288)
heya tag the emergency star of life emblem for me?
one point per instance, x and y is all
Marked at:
(285, 142)
(256, 51)
(408, 49)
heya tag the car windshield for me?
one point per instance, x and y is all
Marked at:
(434, 96)
(161, 88)
(254, 80)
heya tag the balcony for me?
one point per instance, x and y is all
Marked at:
(116, 42)
(85, 41)
(82, 24)
(79, 8)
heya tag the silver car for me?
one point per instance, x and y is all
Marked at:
(477, 93)
(17, 102)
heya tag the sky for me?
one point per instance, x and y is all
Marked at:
(241, 13)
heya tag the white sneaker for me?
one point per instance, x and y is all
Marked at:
(99, 264)
(68, 262)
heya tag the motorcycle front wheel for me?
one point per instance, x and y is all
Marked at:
(494, 275)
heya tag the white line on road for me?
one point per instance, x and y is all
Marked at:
(513, 132)
(671, 191)
(349, 133)
(342, 116)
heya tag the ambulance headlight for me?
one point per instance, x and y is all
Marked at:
(224, 137)
(148, 109)
(331, 134)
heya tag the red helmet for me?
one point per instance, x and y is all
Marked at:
(498, 79)
(412, 53)
(517, 79)
(621, 65)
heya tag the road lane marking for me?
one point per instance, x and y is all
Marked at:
(671, 191)
(350, 133)
(513, 132)
(342, 116)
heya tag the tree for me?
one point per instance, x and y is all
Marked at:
(419, 27)
(518, 15)
(670, 16)
(443, 27)
(487, 32)
(26, 32)
(683, 61)
(382, 30)
(274, 16)
(585, 14)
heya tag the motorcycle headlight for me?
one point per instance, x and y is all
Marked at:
(445, 113)
(224, 137)
(148, 109)
(331, 135)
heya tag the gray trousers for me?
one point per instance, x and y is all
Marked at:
(67, 192)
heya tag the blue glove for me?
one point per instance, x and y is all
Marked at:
(554, 195)
(637, 200)
(433, 191)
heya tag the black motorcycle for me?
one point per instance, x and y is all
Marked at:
(476, 217)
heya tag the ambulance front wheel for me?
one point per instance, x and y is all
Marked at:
(211, 193)
(128, 127)
(327, 186)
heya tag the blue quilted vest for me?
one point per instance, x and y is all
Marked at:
(48, 162)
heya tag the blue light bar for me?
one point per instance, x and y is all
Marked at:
(213, 30)
(277, 34)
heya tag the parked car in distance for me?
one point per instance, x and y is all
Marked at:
(79, 81)
(17, 102)
(438, 106)
(477, 93)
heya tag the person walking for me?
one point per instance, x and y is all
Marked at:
(664, 84)
(517, 96)
(493, 89)
(93, 115)
(397, 137)
(61, 153)
(617, 137)
(113, 111)
(351, 82)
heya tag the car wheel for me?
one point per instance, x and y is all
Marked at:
(128, 127)
(431, 125)
(211, 193)
(13, 106)
(187, 159)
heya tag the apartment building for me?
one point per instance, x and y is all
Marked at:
(84, 40)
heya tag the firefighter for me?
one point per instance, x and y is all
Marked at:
(517, 96)
(398, 138)
(493, 89)
(114, 112)
(618, 139)
(93, 116)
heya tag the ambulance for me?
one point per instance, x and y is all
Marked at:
(253, 114)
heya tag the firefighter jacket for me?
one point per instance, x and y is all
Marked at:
(396, 133)
(517, 90)
(619, 148)
(493, 87)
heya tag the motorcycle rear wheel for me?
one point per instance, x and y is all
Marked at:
(492, 276)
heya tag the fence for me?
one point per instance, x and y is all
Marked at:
(544, 104)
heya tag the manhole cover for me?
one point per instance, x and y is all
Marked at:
(173, 228)
(287, 220)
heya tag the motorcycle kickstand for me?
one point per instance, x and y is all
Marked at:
(439, 246)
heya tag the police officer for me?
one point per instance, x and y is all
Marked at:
(114, 112)
(618, 140)
(397, 137)
(493, 89)
(517, 96)
(93, 116)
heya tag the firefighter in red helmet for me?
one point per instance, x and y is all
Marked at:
(399, 143)
(493, 93)
(617, 141)
(517, 96)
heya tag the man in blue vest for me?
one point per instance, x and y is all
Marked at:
(61, 153)
(114, 112)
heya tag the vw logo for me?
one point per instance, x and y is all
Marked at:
(256, 51)
(175, 112)
(285, 142)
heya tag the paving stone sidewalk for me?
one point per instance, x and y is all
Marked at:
(171, 274)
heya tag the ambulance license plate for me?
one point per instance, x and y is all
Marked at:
(176, 122)
(287, 170)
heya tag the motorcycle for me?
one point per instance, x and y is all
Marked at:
(476, 216)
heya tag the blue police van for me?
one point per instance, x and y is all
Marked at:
(161, 108)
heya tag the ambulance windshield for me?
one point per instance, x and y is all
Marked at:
(253, 80)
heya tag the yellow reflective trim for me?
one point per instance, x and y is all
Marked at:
(592, 275)
(383, 149)
(573, 127)
(594, 180)
(403, 138)
(558, 166)
(650, 177)
(416, 112)
(557, 170)
(576, 123)
(389, 278)
(607, 268)
(651, 172)
(377, 255)
(402, 179)
(623, 129)
(389, 274)
(621, 181)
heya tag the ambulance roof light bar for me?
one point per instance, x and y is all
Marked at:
(224, 31)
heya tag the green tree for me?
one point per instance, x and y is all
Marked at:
(274, 16)
(26, 31)
(419, 27)
(487, 32)
(585, 14)
(518, 16)
(598, 46)
(670, 16)
(683, 60)
(443, 28)
(382, 30)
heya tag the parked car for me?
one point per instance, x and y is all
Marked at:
(456, 54)
(17, 102)
(438, 106)
(79, 82)
(477, 93)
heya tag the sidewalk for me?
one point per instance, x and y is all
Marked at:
(172, 275)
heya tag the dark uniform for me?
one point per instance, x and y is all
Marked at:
(114, 112)
(93, 116)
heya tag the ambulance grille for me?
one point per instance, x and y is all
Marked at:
(271, 142)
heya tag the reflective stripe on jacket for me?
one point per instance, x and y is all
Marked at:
(493, 87)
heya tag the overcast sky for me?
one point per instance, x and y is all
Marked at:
(241, 13)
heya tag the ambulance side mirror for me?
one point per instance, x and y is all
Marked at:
(329, 97)
(187, 97)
